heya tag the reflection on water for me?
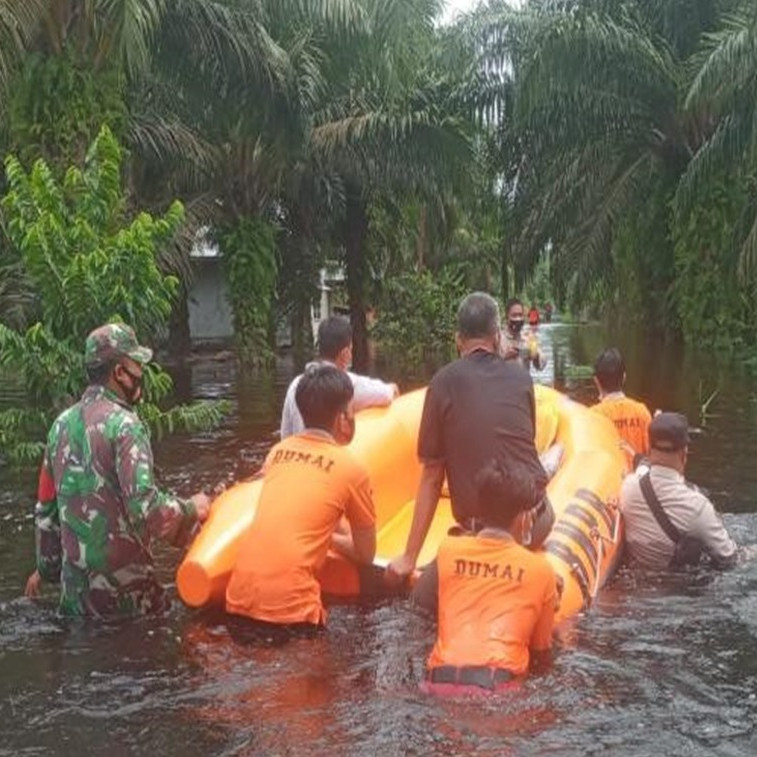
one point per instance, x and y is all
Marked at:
(660, 665)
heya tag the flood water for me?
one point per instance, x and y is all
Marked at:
(659, 665)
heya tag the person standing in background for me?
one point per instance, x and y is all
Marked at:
(516, 345)
(631, 417)
(335, 348)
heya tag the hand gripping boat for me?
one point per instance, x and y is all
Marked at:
(583, 547)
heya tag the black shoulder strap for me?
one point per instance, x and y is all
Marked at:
(659, 514)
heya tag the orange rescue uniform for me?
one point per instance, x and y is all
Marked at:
(496, 602)
(310, 483)
(631, 419)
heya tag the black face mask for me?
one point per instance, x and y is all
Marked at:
(516, 326)
(132, 393)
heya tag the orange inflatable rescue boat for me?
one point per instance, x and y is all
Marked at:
(583, 547)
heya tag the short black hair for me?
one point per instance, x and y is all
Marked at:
(511, 303)
(610, 369)
(99, 373)
(322, 393)
(334, 334)
(504, 491)
(478, 316)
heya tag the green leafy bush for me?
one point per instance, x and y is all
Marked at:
(87, 264)
(417, 312)
(707, 289)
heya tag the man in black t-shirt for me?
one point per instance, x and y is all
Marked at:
(478, 408)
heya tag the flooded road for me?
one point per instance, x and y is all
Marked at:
(659, 665)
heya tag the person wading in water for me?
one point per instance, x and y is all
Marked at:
(478, 406)
(497, 600)
(311, 485)
(631, 417)
(98, 505)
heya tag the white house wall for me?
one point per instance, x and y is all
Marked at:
(210, 317)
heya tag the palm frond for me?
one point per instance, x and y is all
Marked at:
(730, 64)
(18, 24)
(127, 30)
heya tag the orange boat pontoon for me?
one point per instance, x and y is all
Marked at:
(583, 547)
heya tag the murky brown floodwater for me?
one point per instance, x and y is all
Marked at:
(660, 665)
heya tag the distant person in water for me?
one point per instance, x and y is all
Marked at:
(517, 344)
(497, 600)
(548, 309)
(310, 483)
(533, 316)
(477, 406)
(335, 348)
(631, 417)
(670, 523)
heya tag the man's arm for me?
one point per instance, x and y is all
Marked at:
(426, 500)
(709, 529)
(432, 453)
(153, 513)
(47, 524)
(358, 542)
(291, 420)
(371, 392)
(540, 646)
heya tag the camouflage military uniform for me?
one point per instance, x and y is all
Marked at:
(98, 505)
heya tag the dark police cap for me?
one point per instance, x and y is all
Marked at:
(669, 432)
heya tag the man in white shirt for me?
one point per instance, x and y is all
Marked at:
(335, 347)
(669, 523)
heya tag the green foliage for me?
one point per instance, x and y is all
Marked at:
(538, 290)
(578, 371)
(416, 318)
(706, 286)
(249, 250)
(57, 107)
(202, 415)
(620, 121)
(87, 264)
(638, 286)
(84, 265)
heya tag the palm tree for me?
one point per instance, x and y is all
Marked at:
(599, 127)
(18, 23)
(725, 87)
(386, 125)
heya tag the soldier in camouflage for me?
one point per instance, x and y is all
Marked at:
(98, 506)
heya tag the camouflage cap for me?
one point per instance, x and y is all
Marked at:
(112, 341)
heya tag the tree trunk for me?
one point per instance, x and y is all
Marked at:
(179, 337)
(302, 292)
(356, 217)
(505, 273)
(420, 246)
(302, 330)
